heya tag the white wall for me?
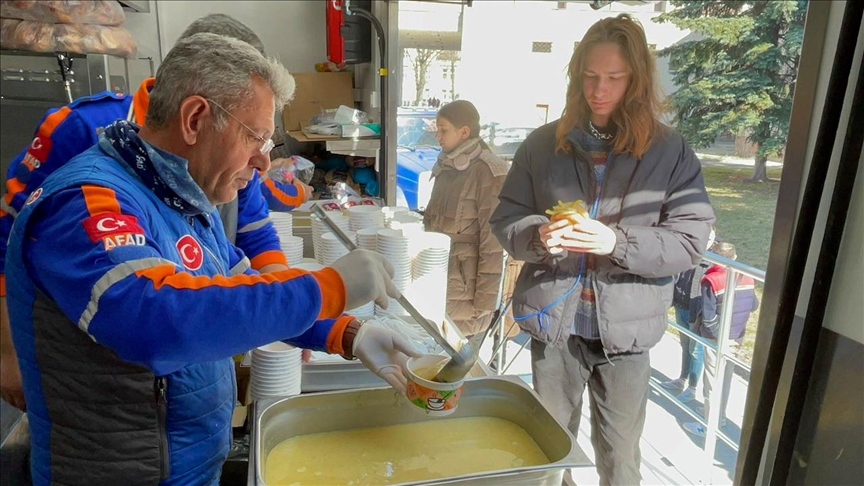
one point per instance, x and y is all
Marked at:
(292, 31)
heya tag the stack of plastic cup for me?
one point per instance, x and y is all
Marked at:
(320, 228)
(283, 222)
(292, 247)
(361, 217)
(332, 248)
(367, 238)
(394, 245)
(276, 371)
(429, 270)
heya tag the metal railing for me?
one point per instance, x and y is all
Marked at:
(720, 346)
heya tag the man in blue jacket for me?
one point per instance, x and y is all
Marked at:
(129, 300)
(68, 131)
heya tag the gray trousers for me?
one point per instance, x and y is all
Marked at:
(618, 393)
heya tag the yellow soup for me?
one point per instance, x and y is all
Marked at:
(401, 453)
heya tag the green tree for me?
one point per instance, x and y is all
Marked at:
(736, 71)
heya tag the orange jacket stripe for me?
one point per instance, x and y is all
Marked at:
(333, 290)
(268, 258)
(141, 100)
(13, 185)
(100, 200)
(334, 339)
(51, 121)
(282, 197)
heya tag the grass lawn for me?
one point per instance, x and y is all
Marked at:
(745, 217)
(744, 210)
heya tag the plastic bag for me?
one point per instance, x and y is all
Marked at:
(345, 115)
(294, 167)
(97, 12)
(79, 38)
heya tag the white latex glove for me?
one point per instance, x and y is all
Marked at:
(385, 353)
(589, 236)
(367, 276)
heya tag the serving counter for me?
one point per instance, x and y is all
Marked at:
(493, 395)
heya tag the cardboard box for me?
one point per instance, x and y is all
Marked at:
(316, 92)
(243, 374)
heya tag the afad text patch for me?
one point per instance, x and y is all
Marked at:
(114, 230)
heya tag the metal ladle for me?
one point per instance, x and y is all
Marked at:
(463, 353)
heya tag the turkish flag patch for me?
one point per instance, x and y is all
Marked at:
(39, 149)
(107, 224)
(190, 252)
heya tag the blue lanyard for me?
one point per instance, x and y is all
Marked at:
(542, 313)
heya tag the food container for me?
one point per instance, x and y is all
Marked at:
(277, 420)
(436, 399)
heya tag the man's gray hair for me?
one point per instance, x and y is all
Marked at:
(224, 25)
(216, 67)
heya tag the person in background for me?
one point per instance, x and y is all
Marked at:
(687, 302)
(467, 179)
(66, 132)
(129, 303)
(713, 286)
(594, 290)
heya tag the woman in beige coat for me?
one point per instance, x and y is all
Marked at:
(468, 177)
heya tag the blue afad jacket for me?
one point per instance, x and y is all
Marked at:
(125, 313)
(66, 132)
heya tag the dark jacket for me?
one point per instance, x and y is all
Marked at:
(713, 293)
(688, 290)
(657, 207)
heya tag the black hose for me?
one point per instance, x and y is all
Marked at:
(846, 173)
(382, 72)
(802, 239)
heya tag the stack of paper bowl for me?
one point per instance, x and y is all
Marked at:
(362, 217)
(367, 238)
(292, 247)
(428, 289)
(332, 248)
(394, 245)
(283, 222)
(408, 222)
(276, 371)
(320, 228)
(390, 211)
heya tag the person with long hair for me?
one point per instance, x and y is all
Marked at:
(468, 177)
(597, 279)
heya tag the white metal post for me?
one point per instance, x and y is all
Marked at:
(719, 370)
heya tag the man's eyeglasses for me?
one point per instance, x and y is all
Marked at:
(267, 144)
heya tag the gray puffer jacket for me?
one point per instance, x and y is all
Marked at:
(657, 207)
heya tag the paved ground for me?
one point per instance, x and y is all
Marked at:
(670, 455)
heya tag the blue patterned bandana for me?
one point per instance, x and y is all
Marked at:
(166, 174)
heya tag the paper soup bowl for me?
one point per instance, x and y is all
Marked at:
(435, 398)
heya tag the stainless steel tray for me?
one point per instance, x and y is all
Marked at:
(337, 375)
(507, 398)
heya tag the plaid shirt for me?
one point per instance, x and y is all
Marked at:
(585, 324)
